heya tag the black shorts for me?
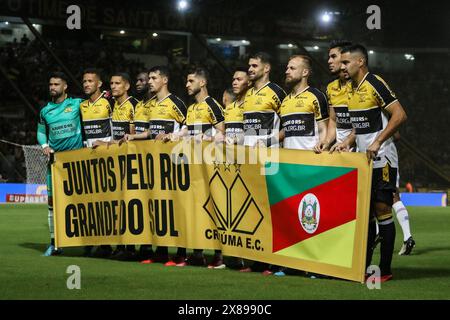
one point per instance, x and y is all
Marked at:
(384, 182)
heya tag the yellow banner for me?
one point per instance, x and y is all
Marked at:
(268, 205)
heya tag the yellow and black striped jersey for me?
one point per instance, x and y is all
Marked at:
(234, 119)
(366, 105)
(337, 95)
(202, 117)
(299, 117)
(167, 115)
(142, 114)
(261, 112)
(123, 117)
(96, 120)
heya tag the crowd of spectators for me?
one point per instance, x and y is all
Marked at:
(424, 93)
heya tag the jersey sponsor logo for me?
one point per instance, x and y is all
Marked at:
(160, 126)
(68, 109)
(120, 129)
(141, 126)
(63, 130)
(366, 121)
(259, 121)
(233, 128)
(298, 125)
(199, 128)
(309, 213)
(342, 118)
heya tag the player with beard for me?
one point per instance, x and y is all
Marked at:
(262, 103)
(204, 121)
(376, 115)
(304, 112)
(59, 129)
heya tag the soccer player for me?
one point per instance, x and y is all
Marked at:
(304, 112)
(262, 103)
(369, 102)
(339, 124)
(123, 123)
(261, 121)
(143, 107)
(96, 116)
(124, 106)
(204, 121)
(166, 115)
(96, 110)
(228, 96)
(234, 111)
(61, 112)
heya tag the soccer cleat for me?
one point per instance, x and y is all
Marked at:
(384, 278)
(199, 261)
(267, 273)
(407, 247)
(279, 273)
(147, 261)
(247, 269)
(178, 261)
(156, 259)
(217, 263)
(52, 251)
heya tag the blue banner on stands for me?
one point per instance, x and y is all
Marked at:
(424, 199)
(21, 189)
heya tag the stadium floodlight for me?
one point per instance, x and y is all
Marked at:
(122, 31)
(218, 39)
(326, 17)
(409, 56)
(182, 5)
(245, 42)
(371, 52)
(6, 22)
(316, 48)
(154, 34)
(290, 45)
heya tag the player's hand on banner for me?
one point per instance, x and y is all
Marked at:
(261, 143)
(98, 143)
(230, 140)
(219, 137)
(47, 151)
(162, 137)
(340, 147)
(198, 138)
(321, 146)
(372, 150)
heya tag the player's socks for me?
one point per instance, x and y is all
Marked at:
(387, 233)
(50, 223)
(402, 218)
(370, 241)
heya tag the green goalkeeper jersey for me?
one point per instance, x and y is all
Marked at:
(59, 125)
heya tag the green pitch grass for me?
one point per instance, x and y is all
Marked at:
(25, 274)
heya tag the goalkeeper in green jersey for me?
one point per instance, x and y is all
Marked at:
(59, 129)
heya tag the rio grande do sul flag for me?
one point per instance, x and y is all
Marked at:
(319, 212)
